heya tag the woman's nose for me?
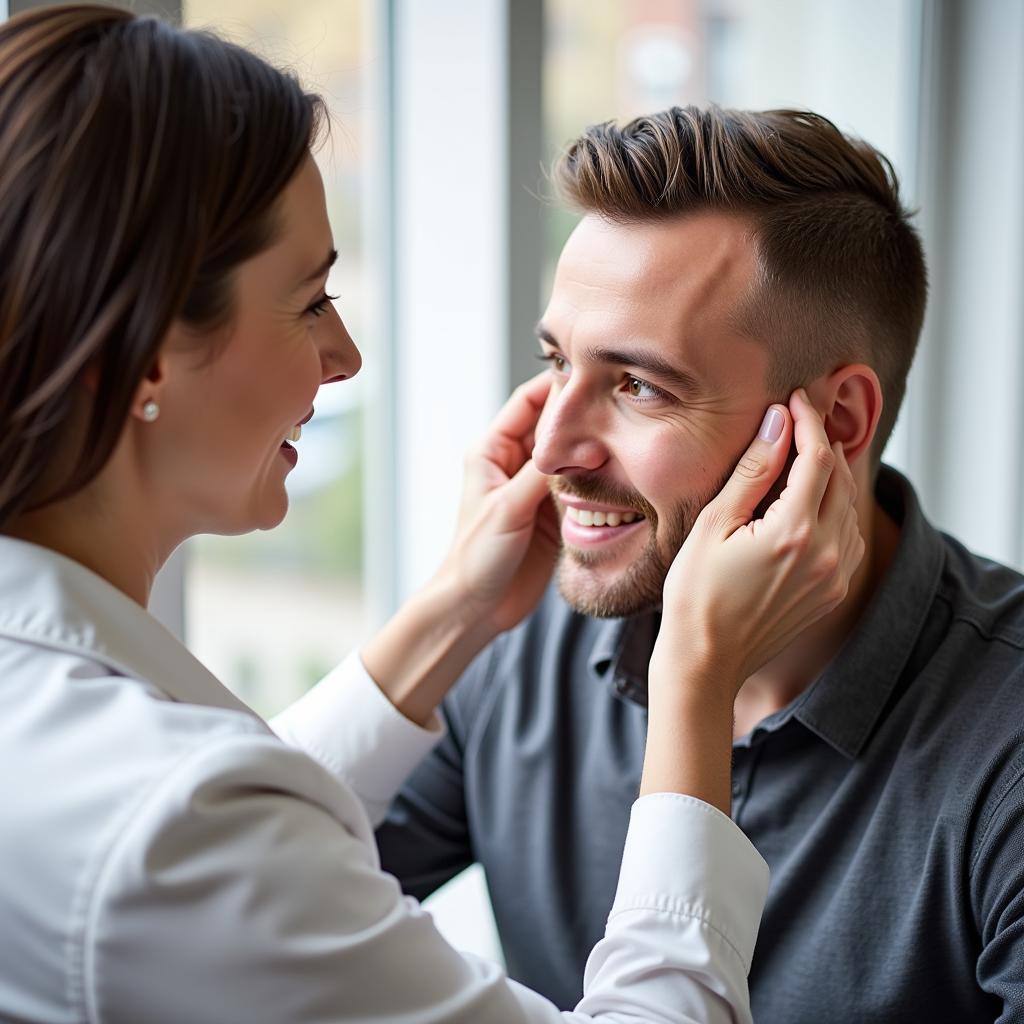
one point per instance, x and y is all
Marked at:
(339, 356)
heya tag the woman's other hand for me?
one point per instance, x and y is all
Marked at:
(507, 539)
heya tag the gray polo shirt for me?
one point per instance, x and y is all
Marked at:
(888, 799)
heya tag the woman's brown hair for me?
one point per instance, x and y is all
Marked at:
(139, 166)
(842, 272)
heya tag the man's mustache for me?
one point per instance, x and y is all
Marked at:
(600, 491)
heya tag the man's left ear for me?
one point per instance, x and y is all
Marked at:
(850, 401)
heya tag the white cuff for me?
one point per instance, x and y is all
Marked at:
(347, 724)
(686, 857)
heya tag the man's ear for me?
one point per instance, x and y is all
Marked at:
(850, 401)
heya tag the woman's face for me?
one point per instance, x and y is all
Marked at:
(216, 453)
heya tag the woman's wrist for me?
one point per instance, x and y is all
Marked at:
(424, 648)
(697, 670)
(689, 734)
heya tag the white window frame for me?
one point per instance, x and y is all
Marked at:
(964, 421)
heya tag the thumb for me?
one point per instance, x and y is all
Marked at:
(757, 470)
(522, 495)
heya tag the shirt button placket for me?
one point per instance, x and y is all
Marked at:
(740, 782)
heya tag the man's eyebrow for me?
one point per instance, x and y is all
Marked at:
(332, 258)
(545, 335)
(647, 362)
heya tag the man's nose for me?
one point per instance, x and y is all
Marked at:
(339, 357)
(568, 435)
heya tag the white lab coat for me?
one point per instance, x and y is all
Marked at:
(165, 857)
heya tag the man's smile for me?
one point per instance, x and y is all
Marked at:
(588, 523)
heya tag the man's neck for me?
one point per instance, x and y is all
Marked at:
(799, 665)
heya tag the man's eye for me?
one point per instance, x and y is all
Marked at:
(557, 361)
(640, 389)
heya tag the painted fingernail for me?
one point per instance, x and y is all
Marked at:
(771, 426)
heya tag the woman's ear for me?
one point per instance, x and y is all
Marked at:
(149, 392)
(850, 401)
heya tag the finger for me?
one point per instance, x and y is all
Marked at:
(841, 491)
(518, 416)
(522, 496)
(753, 476)
(815, 459)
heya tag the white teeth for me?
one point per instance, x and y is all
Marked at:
(294, 434)
(587, 517)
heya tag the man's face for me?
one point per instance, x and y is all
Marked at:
(655, 396)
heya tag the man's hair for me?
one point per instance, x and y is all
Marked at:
(841, 272)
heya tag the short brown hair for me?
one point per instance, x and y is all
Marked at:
(842, 272)
(140, 164)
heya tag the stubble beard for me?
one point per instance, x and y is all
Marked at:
(639, 587)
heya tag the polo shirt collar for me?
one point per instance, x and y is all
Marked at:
(625, 646)
(52, 601)
(848, 699)
(845, 703)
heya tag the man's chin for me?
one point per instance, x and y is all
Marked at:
(607, 592)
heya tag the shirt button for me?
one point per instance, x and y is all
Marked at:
(737, 789)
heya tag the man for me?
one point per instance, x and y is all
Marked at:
(723, 259)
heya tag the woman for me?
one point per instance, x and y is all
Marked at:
(163, 331)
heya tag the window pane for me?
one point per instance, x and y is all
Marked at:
(856, 63)
(270, 613)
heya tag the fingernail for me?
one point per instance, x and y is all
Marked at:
(771, 426)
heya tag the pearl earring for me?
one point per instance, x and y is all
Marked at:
(150, 411)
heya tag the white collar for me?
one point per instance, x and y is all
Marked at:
(52, 601)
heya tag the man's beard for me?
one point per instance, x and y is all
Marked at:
(639, 587)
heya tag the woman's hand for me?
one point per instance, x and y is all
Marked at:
(507, 537)
(500, 562)
(738, 591)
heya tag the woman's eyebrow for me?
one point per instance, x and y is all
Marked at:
(332, 258)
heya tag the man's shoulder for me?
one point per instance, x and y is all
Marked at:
(983, 594)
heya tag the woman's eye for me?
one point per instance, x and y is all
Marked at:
(320, 306)
(638, 388)
(558, 362)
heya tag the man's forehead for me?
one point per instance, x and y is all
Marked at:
(696, 256)
(689, 268)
